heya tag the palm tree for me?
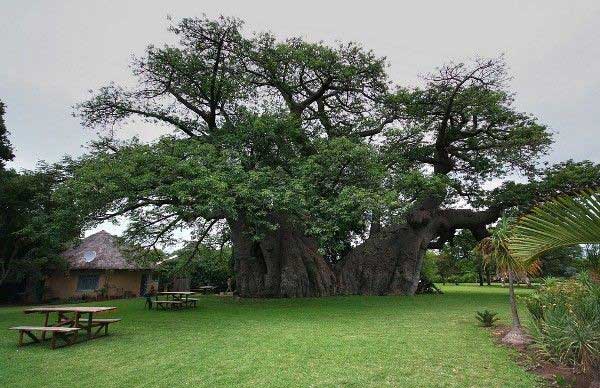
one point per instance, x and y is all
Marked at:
(562, 222)
(494, 250)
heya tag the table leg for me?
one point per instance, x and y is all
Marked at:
(90, 325)
(45, 325)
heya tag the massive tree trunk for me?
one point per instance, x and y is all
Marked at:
(389, 262)
(283, 263)
(287, 263)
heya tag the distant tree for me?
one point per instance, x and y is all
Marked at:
(461, 261)
(430, 268)
(6, 151)
(561, 262)
(34, 227)
(592, 258)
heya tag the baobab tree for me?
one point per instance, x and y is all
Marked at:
(302, 150)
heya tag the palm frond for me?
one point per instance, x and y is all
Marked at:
(561, 222)
(494, 250)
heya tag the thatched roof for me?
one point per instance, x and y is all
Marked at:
(101, 250)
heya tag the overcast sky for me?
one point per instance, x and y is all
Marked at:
(53, 52)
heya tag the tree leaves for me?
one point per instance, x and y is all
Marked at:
(563, 221)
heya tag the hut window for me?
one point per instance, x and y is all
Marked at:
(88, 282)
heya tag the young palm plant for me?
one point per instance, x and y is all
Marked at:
(494, 250)
(562, 222)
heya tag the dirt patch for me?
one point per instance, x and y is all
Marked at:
(555, 375)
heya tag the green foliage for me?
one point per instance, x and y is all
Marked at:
(561, 262)
(486, 318)
(566, 321)
(430, 266)
(560, 179)
(494, 249)
(6, 152)
(203, 264)
(464, 125)
(592, 258)
(564, 221)
(457, 262)
(257, 140)
(34, 226)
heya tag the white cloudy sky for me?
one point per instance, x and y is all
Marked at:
(53, 52)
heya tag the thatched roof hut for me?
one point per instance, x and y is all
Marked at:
(100, 250)
(100, 266)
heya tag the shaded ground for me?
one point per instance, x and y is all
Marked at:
(554, 374)
(421, 341)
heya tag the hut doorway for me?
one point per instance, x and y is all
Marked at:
(144, 284)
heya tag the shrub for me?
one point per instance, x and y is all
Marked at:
(430, 268)
(566, 321)
(486, 318)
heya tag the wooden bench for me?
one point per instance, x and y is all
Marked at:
(66, 334)
(192, 301)
(165, 303)
(103, 323)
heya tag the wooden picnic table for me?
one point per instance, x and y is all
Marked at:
(178, 298)
(205, 289)
(76, 321)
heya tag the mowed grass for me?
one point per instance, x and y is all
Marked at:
(421, 341)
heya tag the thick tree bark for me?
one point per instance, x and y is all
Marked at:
(284, 263)
(389, 262)
(287, 263)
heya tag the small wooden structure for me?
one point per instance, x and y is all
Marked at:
(66, 327)
(205, 289)
(175, 300)
(66, 334)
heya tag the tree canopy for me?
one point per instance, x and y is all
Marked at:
(310, 147)
(6, 151)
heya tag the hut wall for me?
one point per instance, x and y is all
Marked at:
(61, 285)
(122, 283)
(118, 282)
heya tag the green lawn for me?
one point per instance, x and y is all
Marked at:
(422, 341)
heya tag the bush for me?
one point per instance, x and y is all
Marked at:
(486, 318)
(207, 267)
(430, 268)
(463, 278)
(566, 321)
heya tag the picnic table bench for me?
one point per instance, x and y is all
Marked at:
(164, 303)
(205, 289)
(66, 327)
(66, 334)
(179, 299)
